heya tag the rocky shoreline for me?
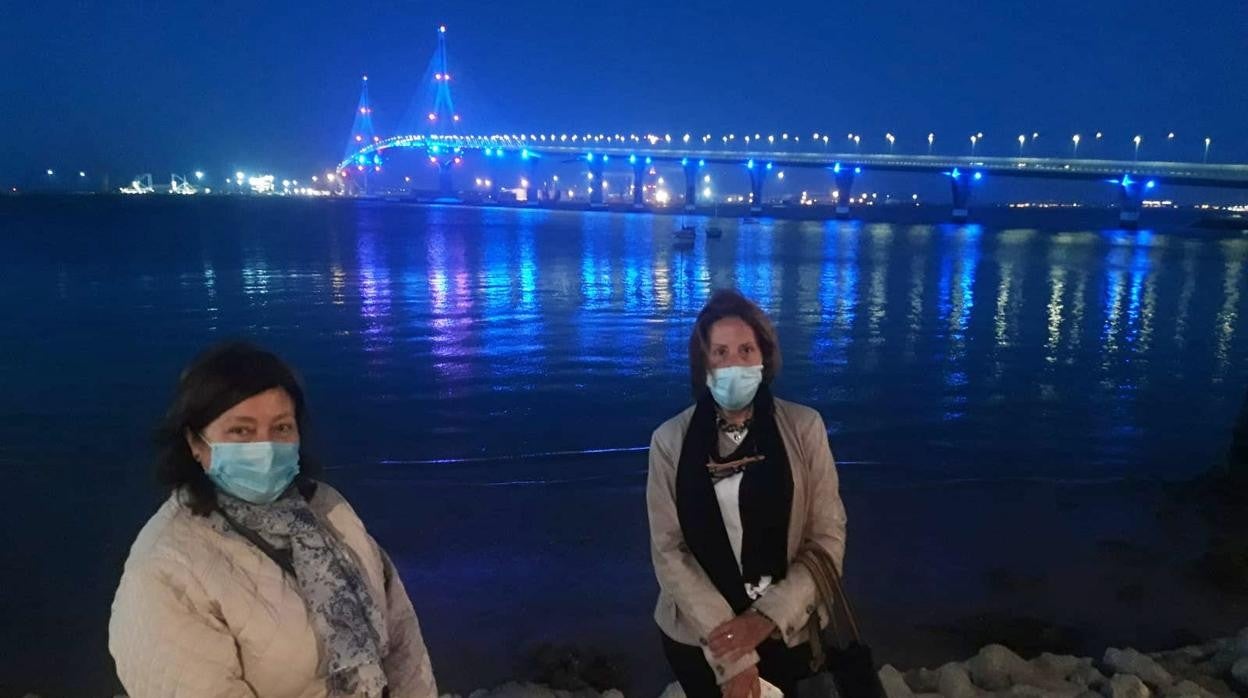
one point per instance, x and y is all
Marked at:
(1216, 669)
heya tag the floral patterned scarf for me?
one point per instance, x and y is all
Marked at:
(344, 614)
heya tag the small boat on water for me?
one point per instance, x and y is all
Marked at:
(714, 232)
(686, 231)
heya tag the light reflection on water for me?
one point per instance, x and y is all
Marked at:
(433, 333)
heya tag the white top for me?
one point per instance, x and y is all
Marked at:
(728, 493)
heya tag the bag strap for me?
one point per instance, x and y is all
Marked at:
(828, 591)
(282, 561)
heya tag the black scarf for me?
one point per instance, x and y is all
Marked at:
(766, 501)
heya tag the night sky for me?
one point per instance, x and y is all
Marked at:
(127, 87)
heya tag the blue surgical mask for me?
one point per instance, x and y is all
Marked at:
(257, 472)
(734, 387)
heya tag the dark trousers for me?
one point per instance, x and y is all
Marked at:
(781, 665)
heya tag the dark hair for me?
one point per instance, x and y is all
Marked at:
(726, 303)
(217, 380)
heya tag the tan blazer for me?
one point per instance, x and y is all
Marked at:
(205, 613)
(689, 606)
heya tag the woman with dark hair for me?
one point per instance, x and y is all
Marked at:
(253, 579)
(738, 484)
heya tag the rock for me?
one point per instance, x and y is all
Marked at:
(1239, 672)
(923, 680)
(1088, 676)
(955, 682)
(1126, 686)
(1058, 666)
(1215, 686)
(1025, 692)
(673, 690)
(515, 689)
(1187, 689)
(614, 693)
(1131, 662)
(894, 683)
(996, 668)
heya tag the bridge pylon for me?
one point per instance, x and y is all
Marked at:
(363, 134)
(758, 177)
(691, 168)
(1131, 199)
(640, 167)
(597, 165)
(844, 176)
(960, 183)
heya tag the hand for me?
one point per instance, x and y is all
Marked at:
(739, 636)
(743, 685)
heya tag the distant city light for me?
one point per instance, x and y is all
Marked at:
(199, 175)
(51, 173)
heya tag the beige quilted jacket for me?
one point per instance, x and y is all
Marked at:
(204, 613)
(690, 606)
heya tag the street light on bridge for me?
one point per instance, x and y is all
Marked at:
(931, 138)
(1075, 151)
(857, 143)
(974, 141)
(1137, 140)
(891, 140)
(1208, 141)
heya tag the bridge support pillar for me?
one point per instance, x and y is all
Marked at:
(446, 180)
(844, 187)
(530, 175)
(596, 167)
(1131, 199)
(691, 183)
(961, 186)
(758, 177)
(639, 181)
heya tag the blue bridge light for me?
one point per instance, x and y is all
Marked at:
(836, 168)
(684, 162)
(524, 154)
(632, 159)
(769, 167)
(979, 176)
(857, 170)
(701, 163)
(589, 157)
(1152, 183)
(749, 164)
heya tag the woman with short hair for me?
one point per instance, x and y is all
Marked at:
(253, 578)
(738, 484)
